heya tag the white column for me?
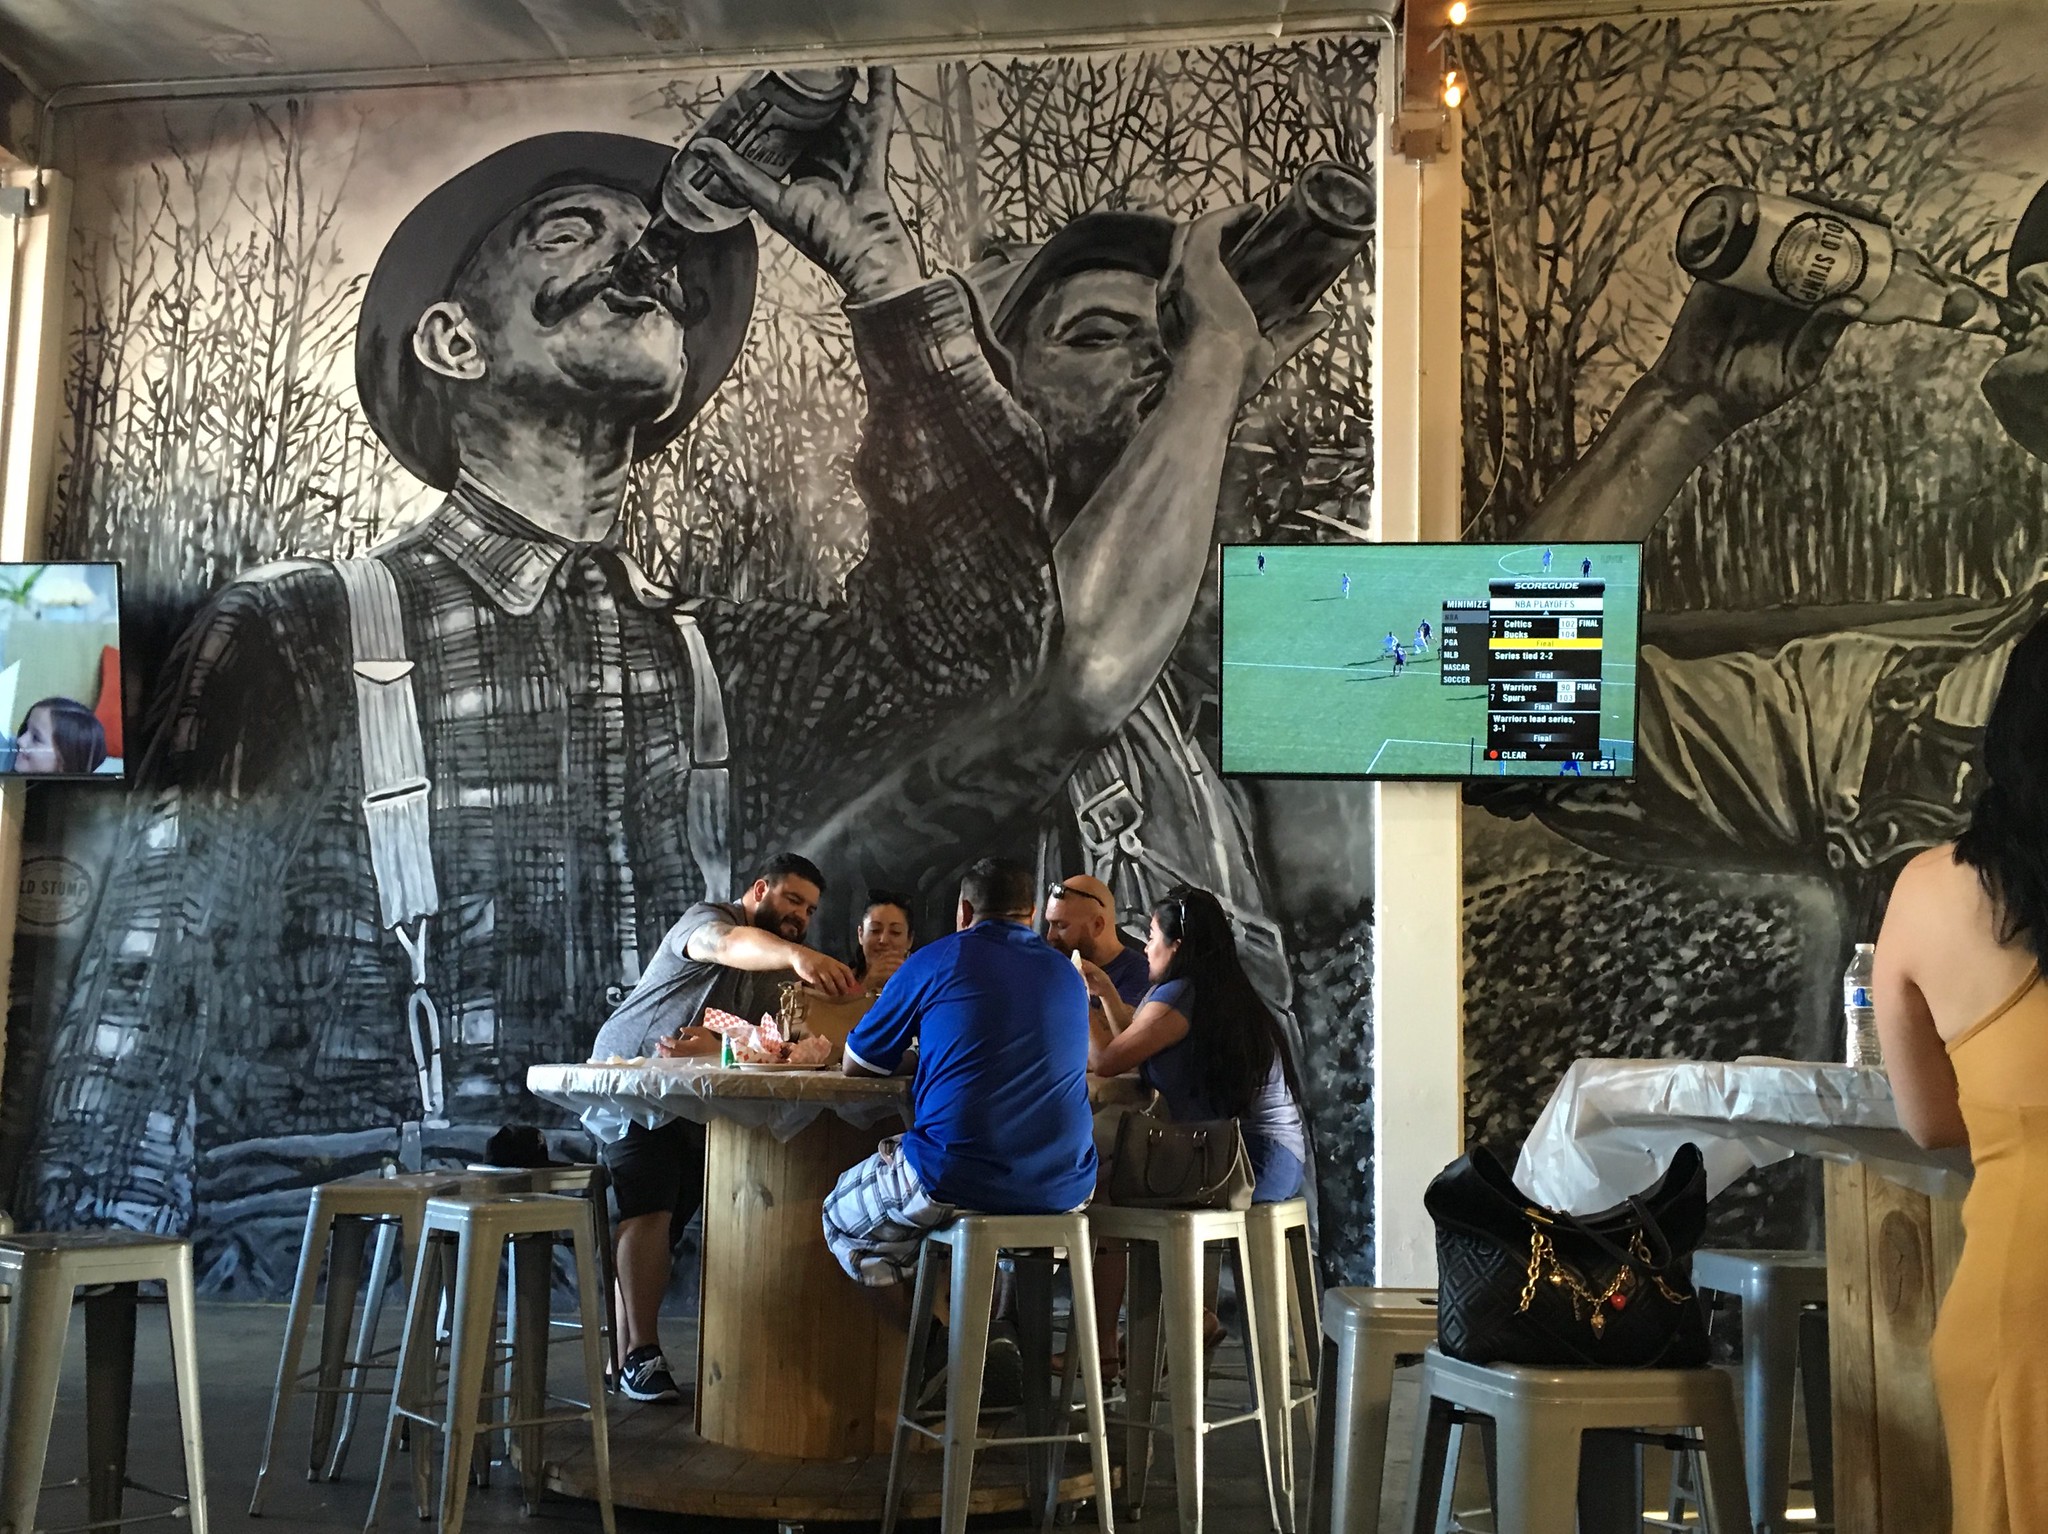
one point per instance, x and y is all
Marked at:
(1418, 947)
(31, 375)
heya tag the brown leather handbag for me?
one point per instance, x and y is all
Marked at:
(1162, 1165)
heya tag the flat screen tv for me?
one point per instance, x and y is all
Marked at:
(1430, 660)
(60, 671)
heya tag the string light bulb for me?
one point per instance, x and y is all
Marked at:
(1453, 91)
(1458, 13)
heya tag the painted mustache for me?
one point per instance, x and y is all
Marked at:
(556, 301)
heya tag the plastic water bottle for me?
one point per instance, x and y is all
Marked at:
(1859, 1017)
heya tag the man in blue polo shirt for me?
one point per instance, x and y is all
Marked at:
(1000, 1103)
(1080, 918)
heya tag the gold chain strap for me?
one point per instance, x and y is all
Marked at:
(1586, 1305)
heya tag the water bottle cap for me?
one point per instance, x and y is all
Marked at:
(1866, 948)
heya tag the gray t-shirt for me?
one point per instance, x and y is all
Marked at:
(676, 988)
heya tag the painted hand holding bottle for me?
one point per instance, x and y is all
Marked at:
(1806, 254)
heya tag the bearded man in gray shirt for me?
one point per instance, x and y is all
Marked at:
(733, 956)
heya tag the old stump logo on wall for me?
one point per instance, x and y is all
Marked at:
(55, 892)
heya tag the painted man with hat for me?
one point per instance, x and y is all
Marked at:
(1108, 335)
(1841, 753)
(413, 819)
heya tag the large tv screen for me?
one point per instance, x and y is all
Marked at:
(1430, 660)
(60, 671)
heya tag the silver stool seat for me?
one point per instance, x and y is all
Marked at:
(1775, 1289)
(1561, 1442)
(470, 1233)
(1366, 1335)
(1167, 1259)
(42, 1270)
(974, 1243)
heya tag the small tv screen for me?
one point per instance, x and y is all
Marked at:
(1430, 660)
(60, 671)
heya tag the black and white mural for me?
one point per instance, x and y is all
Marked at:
(1768, 290)
(530, 527)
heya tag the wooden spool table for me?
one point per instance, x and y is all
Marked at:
(1894, 1232)
(797, 1372)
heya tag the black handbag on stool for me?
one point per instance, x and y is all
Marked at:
(1518, 1283)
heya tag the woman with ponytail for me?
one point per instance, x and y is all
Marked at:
(1204, 1040)
(1962, 1011)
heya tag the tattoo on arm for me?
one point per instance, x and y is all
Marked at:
(708, 943)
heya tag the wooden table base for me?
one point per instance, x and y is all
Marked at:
(793, 1359)
(659, 1464)
(1891, 1254)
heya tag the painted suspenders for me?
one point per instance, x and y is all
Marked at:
(396, 792)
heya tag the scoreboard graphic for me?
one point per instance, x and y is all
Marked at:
(1537, 647)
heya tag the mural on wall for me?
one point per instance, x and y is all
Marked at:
(1767, 291)
(577, 522)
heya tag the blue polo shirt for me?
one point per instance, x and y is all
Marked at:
(1000, 1118)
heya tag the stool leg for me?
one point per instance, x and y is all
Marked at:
(469, 1357)
(532, 1277)
(1084, 1351)
(1034, 1344)
(344, 1282)
(1610, 1484)
(312, 1249)
(974, 1284)
(390, 1249)
(922, 1295)
(1427, 1474)
(41, 1316)
(597, 1352)
(601, 1228)
(1323, 1474)
(1305, 1312)
(1262, 1372)
(185, 1371)
(1537, 1485)
(1267, 1335)
(1727, 1496)
(414, 1380)
(1146, 1302)
(109, 1392)
(1820, 1424)
(1180, 1267)
(1770, 1357)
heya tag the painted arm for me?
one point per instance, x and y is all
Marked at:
(1730, 359)
(1923, 1079)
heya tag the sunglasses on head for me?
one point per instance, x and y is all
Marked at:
(1068, 892)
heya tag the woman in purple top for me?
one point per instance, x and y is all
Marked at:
(1204, 1040)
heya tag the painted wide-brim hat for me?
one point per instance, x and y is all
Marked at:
(1009, 281)
(2030, 240)
(434, 242)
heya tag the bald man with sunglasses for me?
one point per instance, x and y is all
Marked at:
(1080, 918)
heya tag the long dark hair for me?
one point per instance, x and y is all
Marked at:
(875, 898)
(1233, 1033)
(2007, 839)
(75, 731)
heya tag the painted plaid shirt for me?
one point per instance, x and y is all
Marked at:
(238, 1012)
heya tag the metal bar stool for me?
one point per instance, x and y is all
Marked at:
(1538, 1422)
(1167, 1247)
(471, 1232)
(1285, 1287)
(42, 1271)
(974, 1243)
(339, 1219)
(1774, 1289)
(1366, 1334)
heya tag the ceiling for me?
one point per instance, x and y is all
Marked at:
(81, 49)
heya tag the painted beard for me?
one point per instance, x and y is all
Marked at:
(1083, 446)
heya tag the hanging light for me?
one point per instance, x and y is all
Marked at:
(1453, 91)
(1458, 13)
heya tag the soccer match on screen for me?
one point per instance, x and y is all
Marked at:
(1431, 660)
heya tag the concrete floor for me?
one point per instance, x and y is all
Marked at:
(239, 1347)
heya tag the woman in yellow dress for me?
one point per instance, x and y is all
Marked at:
(1962, 1010)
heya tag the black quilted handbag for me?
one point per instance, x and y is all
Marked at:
(1518, 1283)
